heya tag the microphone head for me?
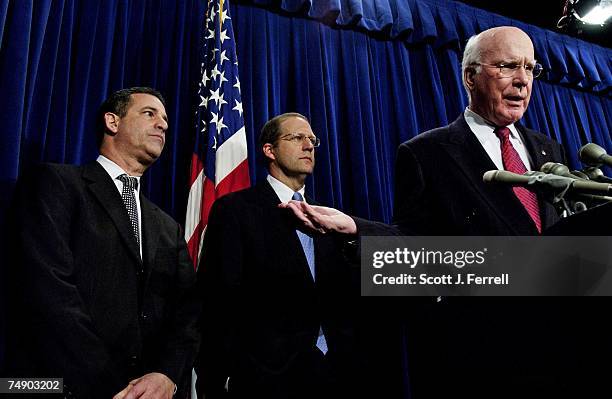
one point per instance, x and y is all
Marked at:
(555, 168)
(591, 154)
(581, 174)
(593, 172)
(547, 167)
(489, 176)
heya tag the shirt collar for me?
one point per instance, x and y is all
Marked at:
(472, 118)
(283, 191)
(113, 169)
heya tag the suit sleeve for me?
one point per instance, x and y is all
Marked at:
(67, 341)
(219, 278)
(367, 227)
(411, 213)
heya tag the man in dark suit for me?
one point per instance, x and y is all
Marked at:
(476, 347)
(106, 289)
(439, 186)
(278, 319)
(498, 346)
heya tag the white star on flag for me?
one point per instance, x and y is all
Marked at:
(220, 125)
(223, 57)
(204, 101)
(223, 36)
(205, 78)
(219, 163)
(215, 119)
(223, 79)
(215, 96)
(238, 107)
(214, 72)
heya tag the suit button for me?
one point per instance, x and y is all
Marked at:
(144, 316)
(134, 361)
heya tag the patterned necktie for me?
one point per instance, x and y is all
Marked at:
(129, 199)
(513, 163)
(308, 246)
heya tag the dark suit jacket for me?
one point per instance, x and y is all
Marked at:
(482, 347)
(262, 309)
(88, 309)
(439, 188)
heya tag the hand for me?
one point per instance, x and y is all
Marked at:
(149, 386)
(321, 218)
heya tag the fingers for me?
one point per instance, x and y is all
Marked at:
(152, 385)
(309, 215)
(297, 211)
(124, 391)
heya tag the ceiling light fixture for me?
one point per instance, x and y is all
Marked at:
(581, 12)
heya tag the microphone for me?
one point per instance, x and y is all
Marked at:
(596, 174)
(580, 174)
(543, 182)
(559, 169)
(593, 155)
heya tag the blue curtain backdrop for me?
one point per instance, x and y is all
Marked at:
(368, 73)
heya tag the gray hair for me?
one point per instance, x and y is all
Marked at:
(471, 55)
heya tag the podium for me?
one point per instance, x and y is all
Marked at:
(596, 221)
(587, 331)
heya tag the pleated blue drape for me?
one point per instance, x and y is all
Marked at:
(370, 74)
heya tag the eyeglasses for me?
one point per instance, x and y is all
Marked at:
(509, 69)
(298, 138)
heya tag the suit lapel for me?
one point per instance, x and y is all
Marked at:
(284, 226)
(150, 232)
(473, 161)
(105, 191)
(540, 150)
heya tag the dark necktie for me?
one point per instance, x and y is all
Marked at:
(308, 246)
(513, 163)
(129, 199)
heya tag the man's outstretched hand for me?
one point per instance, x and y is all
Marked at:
(321, 218)
(149, 386)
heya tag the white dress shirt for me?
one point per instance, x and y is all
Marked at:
(284, 192)
(115, 171)
(484, 132)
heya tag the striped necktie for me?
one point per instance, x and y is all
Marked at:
(513, 163)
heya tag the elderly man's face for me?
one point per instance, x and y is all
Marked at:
(503, 100)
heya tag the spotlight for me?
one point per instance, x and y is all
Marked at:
(585, 12)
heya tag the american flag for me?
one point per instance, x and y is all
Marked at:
(219, 162)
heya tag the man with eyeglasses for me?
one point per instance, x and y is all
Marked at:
(278, 318)
(501, 345)
(467, 346)
(439, 186)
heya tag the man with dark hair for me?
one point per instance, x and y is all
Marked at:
(118, 103)
(106, 289)
(278, 319)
